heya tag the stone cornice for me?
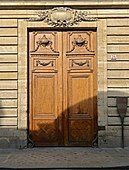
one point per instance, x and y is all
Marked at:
(89, 4)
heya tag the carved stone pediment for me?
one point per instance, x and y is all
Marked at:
(62, 17)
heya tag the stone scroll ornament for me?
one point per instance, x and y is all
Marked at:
(62, 17)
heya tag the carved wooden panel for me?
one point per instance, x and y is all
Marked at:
(80, 42)
(44, 63)
(43, 42)
(81, 64)
(46, 132)
(80, 132)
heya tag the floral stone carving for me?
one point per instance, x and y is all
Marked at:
(62, 17)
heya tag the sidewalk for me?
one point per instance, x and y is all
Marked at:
(64, 157)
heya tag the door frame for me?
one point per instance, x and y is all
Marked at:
(101, 54)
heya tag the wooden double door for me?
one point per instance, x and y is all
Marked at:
(62, 88)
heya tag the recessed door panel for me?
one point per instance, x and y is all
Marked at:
(80, 94)
(80, 113)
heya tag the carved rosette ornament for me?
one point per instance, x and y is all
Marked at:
(62, 17)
